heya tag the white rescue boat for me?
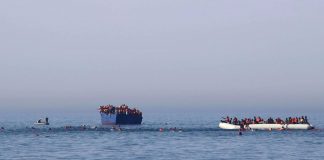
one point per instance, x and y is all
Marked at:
(229, 126)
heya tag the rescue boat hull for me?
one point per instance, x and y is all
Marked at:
(229, 126)
(112, 119)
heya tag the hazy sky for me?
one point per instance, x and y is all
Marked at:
(206, 54)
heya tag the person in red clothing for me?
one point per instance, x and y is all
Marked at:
(235, 121)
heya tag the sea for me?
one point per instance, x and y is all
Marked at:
(185, 136)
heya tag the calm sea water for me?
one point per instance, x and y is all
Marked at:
(200, 139)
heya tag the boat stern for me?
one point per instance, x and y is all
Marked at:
(228, 126)
(108, 119)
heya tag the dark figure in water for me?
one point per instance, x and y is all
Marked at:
(241, 126)
(241, 129)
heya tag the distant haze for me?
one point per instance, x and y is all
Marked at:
(176, 54)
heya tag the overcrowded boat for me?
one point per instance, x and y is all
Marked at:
(258, 123)
(111, 115)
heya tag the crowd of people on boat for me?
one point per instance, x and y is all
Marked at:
(122, 109)
(259, 120)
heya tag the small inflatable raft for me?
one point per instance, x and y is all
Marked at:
(229, 126)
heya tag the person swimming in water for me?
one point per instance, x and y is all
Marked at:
(115, 128)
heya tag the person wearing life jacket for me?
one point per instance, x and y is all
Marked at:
(235, 121)
(301, 120)
(270, 120)
(295, 120)
(278, 120)
(257, 120)
(246, 121)
(227, 119)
